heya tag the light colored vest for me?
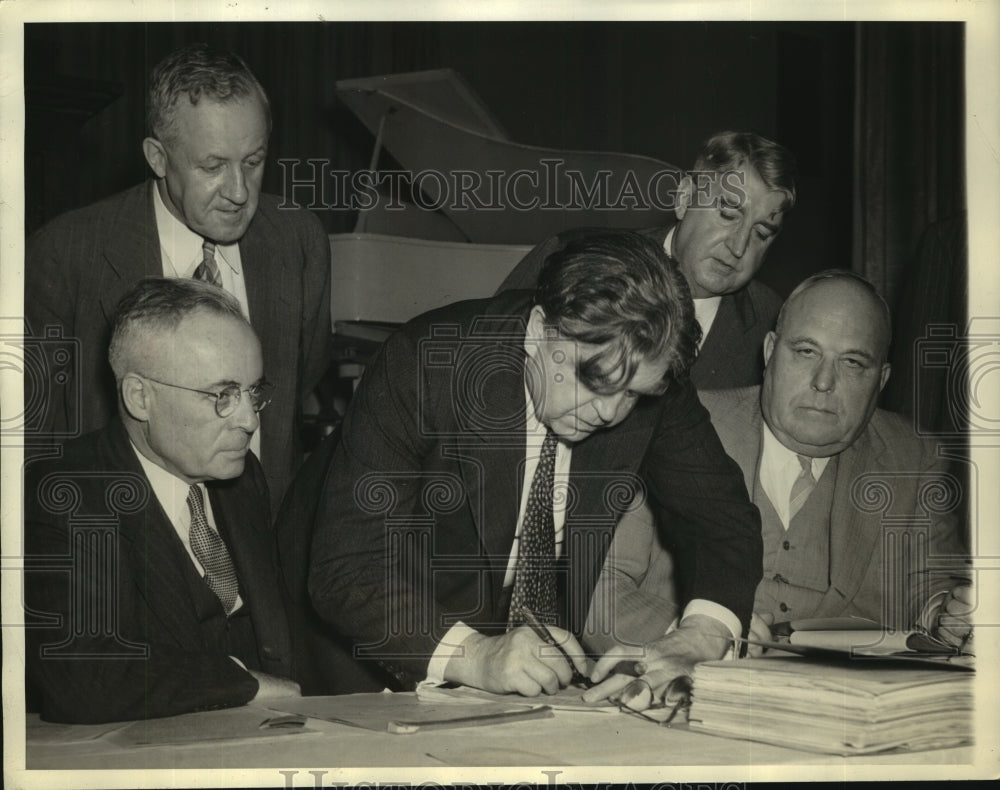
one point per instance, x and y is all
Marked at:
(796, 560)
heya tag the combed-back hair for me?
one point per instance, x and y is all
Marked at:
(774, 163)
(619, 288)
(195, 71)
(159, 304)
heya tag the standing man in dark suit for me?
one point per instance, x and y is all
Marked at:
(729, 210)
(201, 216)
(858, 513)
(149, 541)
(484, 462)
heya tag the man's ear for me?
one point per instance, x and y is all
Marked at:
(886, 370)
(769, 346)
(135, 395)
(536, 324)
(685, 194)
(156, 156)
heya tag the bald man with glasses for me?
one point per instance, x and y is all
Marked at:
(149, 540)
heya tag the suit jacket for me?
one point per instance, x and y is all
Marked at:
(889, 483)
(419, 511)
(143, 656)
(732, 354)
(80, 265)
(324, 659)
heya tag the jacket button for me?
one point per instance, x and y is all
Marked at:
(783, 607)
(786, 545)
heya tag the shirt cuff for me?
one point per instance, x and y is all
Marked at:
(449, 646)
(717, 612)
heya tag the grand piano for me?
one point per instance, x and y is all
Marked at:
(462, 203)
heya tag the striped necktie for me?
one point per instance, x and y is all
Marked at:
(535, 573)
(208, 269)
(801, 488)
(212, 553)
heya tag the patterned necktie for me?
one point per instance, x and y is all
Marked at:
(801, 488)
(212, 553)
(535, 574)
(208, 269)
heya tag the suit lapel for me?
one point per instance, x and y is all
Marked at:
(740, 430)
(153, 550)
(135, 253)
(603, 481)
(735, 318)
(264, 264)
(493, 470)
(252, 552)
(853, 533)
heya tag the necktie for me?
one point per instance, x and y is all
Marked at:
(212, 553)
(801, 488)
(535, 574)
(208, 269)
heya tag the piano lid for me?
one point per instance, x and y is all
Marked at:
(442, 93)
(475, 184)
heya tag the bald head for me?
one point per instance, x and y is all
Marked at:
(846, 288)
(826, 364)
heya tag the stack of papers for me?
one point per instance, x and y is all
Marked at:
(845, 707)
(860, 636)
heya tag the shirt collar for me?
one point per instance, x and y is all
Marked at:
(668, 242)
(182, 246)
(170, 491)
(774, 453)
(532, 426)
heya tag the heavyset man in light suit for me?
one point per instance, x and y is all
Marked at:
(830, 547)
(130, 615)
(209, 125)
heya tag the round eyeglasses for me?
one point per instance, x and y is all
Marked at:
(228, 398)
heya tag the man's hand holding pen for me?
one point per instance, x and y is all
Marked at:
(533, 659)
(519, 661)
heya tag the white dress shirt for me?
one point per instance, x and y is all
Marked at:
(779, 469)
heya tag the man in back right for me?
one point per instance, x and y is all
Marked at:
(729, 209)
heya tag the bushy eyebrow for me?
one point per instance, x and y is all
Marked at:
(772, 226)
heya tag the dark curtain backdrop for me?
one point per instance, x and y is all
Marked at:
(910, 232)
(910, 161)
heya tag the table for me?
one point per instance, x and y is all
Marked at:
(571, 743)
